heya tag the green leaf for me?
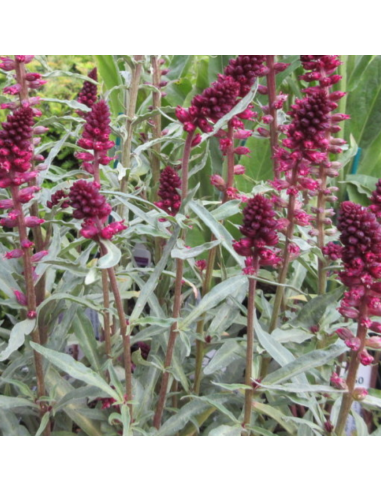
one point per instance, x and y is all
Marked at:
(216, 228)
(186, 254)
(228, 353)
(44, 423)
(151, 285)
(75, 369)
(72, 104)
(226, 431)
(230, 287)
(74, 410)
(9, 403)
(364, 106)
(232, 207)
(276, 415)
(313, 311)
(112, 258)
(302, 388)
(73, 75)
(17, 338)
(179, 66)
(9, 425)
(305, 364)
(84, 332)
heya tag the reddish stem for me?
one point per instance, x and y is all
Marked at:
(34, 211)
(178, 288)
(124, 330)
(230, 161)
(31, 302)
(105, 284)
(353, 370)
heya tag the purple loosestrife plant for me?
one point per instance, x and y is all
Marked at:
(260, 236)
(16, 155)
(305, 155)
(361, 254)
(92, 208)
(27, 82)
(321, 69)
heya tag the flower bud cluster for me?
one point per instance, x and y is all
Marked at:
(16, 170)
(170, 182)
(260, 230)
(96, 138)
(91, 207)
(246, 69)
(361, 255)
(89, 92)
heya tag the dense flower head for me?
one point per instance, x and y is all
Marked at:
(259, 223)
(361, 254)
(376, 200)
(88, 202)
(91, 206)
(245, 69)
(96, 136)
(260, 231)
(15, 143)
(170, 182)
(210, 106)
(361, 237)
(311, 121)
(89, 92)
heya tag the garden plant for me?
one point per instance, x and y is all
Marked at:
(190, 245)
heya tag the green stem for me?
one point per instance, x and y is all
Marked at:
(271, 85)
(155, 62)
(250, 348)
(133, 98)
(343, 71)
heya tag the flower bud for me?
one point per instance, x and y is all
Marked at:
(33, 222)
(15, 254)
(201, 265)
(6, 204)
(338, 382)
(365, 358)
(39, 256)
(344, 334)
(242, 151)
(239, 170)
(32, 315)
(20, 298)
(218, 182)
(360, 394)
(354, 344)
